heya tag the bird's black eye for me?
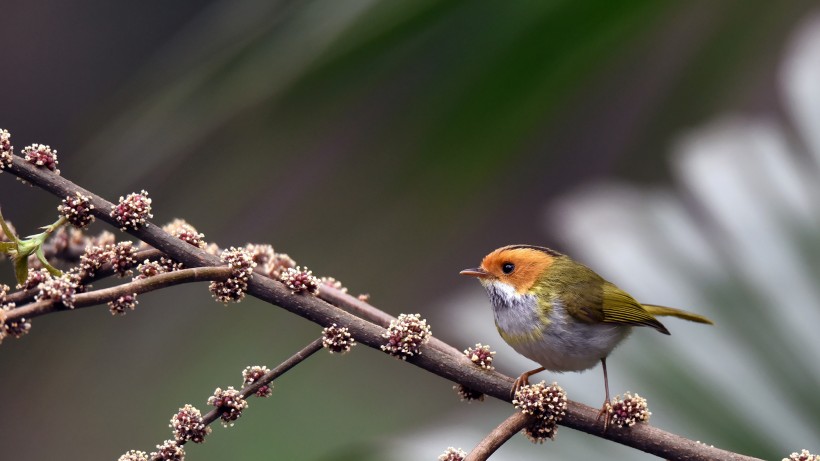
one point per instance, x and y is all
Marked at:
(507, 268)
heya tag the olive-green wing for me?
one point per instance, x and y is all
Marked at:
(621, 308)
(583, 298)
(589, 298)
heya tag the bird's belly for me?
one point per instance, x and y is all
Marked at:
(574, 347)
(555, 340)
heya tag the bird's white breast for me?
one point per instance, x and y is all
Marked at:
(553, 339)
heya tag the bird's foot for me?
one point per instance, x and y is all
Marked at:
(605, 413)
(521, 381)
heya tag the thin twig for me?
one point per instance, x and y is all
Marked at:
(266, 379)
(107, 270)
(511, 426)
(247, 391)
(97, 297)
(436, 356)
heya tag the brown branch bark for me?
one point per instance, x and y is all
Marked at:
(511, 426)
(97, 297)
(436, 356)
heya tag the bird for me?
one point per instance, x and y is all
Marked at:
(560, 313)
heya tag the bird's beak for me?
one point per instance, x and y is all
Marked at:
(475, 272)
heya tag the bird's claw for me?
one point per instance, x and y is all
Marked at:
(521, 381)
(605, 413)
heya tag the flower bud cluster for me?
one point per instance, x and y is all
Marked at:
(6, 150)
(229, 291)
(35, 278)
(299, 280)
(233, 289)
(240, 261)
(133, 211)
(804, 455)
(481, 355)
(251, 375)
(123, 304)
(405, 336)
(263, 255)
(539, 431)
(332, 283)
(93, 259)
(150, 268)
(452, 454)
(281, 262)
(187, 425)
(337, 340)
(465, 394)
(134, 455)
(169, 450)
(230, 404)
(77, 210)
(548, 404)
(14, 328)
(59, 289)
(42, 156)
(180, 229)
(123, 258)
(626, 411)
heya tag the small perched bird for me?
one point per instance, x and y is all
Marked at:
(560, 313)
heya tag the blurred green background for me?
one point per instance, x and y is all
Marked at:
(391, 144)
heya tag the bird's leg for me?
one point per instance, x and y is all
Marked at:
(524, 379)
(605, 409)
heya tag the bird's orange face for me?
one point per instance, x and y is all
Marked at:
(518, 266)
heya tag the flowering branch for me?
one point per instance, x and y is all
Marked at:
(295, 359)
(366, 324)
(253, 388)
(97, 297)
(283, 367)
(106, 271)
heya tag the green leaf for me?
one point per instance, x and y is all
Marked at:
(21, 269)
(7, 247)
(51, 269)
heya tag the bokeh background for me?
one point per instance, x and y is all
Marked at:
(672, 146)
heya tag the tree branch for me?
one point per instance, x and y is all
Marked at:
(511, 426)
(94, 298)
(266, 379)
(436, 356)
(106, 271)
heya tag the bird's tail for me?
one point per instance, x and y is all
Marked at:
(681, 314)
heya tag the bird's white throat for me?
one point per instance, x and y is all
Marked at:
(515, 313)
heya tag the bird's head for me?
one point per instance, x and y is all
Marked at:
(518, 266)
